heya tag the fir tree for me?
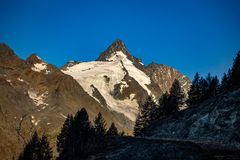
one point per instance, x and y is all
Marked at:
(79, 142)
(176, 98)
(81, 135)
(144, 116)
(45, 152)
(37, 149)
(224, 83)
(194, 92)
(100, 132)
(112, 131)
(229, 77)
(203, 88)
(31, 149)
(100, 125)
(139, 123)
(163, 104)
(235, 74)
(64, 134)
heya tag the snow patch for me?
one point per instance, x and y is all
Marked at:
(123, 85)
(63, 115)
(38, 99)
(38, 67)
(20, 79)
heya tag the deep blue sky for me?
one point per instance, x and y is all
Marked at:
(190, 35)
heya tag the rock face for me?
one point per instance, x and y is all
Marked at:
(35, 95)
(216, 120)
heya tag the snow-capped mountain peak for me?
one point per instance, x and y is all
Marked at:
(117, 80)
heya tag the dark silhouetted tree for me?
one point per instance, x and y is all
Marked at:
(62, 137)
(224, 83)
(100, 132)
(203, 88)
(194, 95)
(100, 125)
(80, 140)
(235, 74)
(144, 116)
(31, 149)
(163, 105)
(112, 131)
(45, 152)
(37, 149)
(176, 98)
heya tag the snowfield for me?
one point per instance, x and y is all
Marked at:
(103, 75)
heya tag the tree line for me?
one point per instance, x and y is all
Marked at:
(205, 88)
(200, 90)
(169, 103)
(78, 139)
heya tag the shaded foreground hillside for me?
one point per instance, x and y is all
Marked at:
(209, 130)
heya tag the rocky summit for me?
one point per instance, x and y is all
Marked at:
(35, 95)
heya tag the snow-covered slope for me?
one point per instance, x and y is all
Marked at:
(104, 75)
(120, 82)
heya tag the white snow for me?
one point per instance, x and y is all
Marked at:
(20, 79)
(63, 115)
(38, 99)
(123, 85)
(38, 67)
(47, 71)
(36, 123)
(92, 73)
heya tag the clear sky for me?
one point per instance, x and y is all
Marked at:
(190, 35)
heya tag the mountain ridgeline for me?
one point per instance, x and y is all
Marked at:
(37, 96)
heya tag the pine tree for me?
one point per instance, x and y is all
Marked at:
(224, 83)
(81, 135)
(203, 88)
(194, 92)
(45, 152)
(31, 149)
(144, 116)
(164, 104)
(100, 125)
(37, 149)
(139, 123)
(235, 74)
(112, 131)
(100, 132)
(176, 97)
(213, 87)
(229, 77)
(64, 134)
(79, 142)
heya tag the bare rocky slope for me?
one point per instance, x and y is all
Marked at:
(210, 130)
(35, 95)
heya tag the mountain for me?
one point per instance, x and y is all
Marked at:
(120, 82)
(36, 95)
